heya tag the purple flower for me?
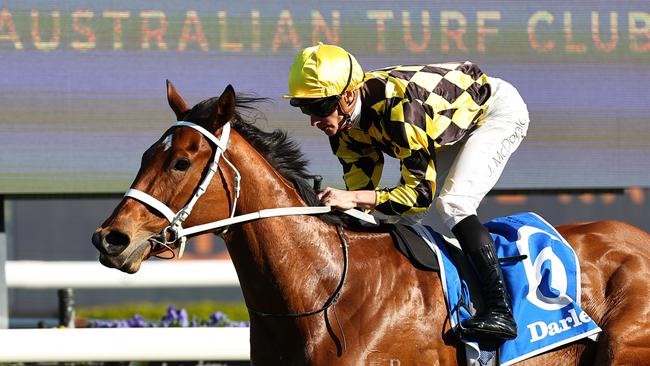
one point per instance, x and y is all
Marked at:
(171, 314)
(218, 319)
(137, 322)
(196, 322)
(170, 318)
(99, 324)
(173, 318)
(183, 318)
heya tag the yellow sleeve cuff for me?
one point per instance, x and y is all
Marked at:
(381, 196)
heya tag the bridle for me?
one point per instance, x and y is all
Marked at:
(175, 233)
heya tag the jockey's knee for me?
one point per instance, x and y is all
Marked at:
(454, 208)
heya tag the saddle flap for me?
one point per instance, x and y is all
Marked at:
(413, 247)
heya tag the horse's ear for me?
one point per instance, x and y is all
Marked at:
(176, 101)
(225, 109)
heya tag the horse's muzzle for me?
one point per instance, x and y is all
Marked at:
(110, 243)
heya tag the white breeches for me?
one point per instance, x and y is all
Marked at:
(471, 167)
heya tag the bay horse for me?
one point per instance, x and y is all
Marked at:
(293, 269)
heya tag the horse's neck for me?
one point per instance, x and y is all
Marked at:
(276, 258)
(262, 186)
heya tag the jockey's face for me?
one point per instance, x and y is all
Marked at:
(333, 120)
(330, 125)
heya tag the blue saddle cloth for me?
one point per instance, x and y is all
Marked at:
(544, 287)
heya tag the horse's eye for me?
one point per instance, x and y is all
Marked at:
(182, 165)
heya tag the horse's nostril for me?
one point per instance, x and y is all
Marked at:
(97, 240)
(117, 239)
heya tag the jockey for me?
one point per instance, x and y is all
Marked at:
(421, 115)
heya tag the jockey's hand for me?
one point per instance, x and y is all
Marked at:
(345, 200)
(337, 198)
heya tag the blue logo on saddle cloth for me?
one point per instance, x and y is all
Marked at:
(544, 287)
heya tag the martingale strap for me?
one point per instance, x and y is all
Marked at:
(179, 234)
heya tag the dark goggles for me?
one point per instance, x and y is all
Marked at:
(321, 107)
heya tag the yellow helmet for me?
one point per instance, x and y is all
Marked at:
(323, 71)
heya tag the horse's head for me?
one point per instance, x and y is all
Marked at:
(170, 172)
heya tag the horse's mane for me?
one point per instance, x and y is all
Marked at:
(282, 152)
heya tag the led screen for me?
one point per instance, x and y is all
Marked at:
(82, 92)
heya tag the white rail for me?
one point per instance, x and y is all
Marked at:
(124, 344)
(78, 274)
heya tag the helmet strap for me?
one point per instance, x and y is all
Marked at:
(349, 77)
(346, 123)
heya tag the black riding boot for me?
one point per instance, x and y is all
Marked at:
(496, 318)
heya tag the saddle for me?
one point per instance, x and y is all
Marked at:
(409, 243)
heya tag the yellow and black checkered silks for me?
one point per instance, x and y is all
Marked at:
(407, 112)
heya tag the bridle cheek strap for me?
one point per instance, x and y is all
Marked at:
(176, 219)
